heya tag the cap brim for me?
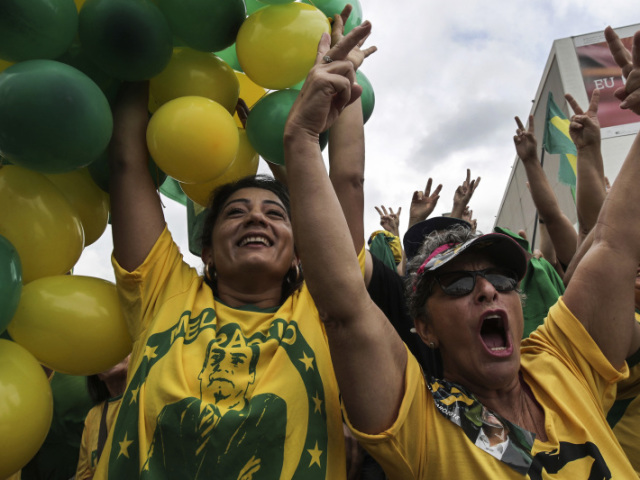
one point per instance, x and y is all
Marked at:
(501, 249)
(413, 239)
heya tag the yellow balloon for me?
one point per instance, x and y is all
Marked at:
(88, 200)
(245, 163)
(250, 92)
(39, 222)
(26, 407)
(194, 73)
(71, 324)
(277, 45)
(192, 139)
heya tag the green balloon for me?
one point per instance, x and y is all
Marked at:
(266, 121)
(206, 25)
(77, 57)
(31, 29)
(230, 56)
(368, 97)
(335, 7)
(276, 2)
(53, 118)
(10, 282)
(253, 6)
(99, 171)
(128, 39)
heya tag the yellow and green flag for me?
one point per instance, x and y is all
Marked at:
(557, 140)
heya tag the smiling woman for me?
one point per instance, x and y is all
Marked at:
(267, 253)
(230, 372)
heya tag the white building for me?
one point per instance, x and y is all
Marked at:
(576, 65)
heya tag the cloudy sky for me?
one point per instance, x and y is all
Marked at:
(448, 80)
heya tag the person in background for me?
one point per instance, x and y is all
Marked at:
(106, 389)
(558, 225)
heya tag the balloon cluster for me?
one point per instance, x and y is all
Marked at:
(61, 64)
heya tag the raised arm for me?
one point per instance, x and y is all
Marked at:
(368, 356)
(346, 144)
(590, 187)
(462, 195)
(602, 291)
(136, 211)
(559, 227)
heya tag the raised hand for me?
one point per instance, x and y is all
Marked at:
(329, 87)
(525, 141)
(629, 62)
(389, 220)
(423, 203)
(357, 54)
(585, 127)
(463, 194)
(467, 214)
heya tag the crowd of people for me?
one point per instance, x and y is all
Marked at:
(303, 351)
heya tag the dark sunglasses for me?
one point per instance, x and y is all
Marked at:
(462, 283)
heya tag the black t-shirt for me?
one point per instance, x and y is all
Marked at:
(386, 289)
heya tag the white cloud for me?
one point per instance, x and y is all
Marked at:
(448, 79)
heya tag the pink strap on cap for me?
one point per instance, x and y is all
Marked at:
(437, 251)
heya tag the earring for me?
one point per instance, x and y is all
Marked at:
(432, 345)
(293, 275)
(207, 273)
(298, 272)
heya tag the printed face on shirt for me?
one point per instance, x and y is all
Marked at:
(252, 236)
(479, 333)
(227, 376)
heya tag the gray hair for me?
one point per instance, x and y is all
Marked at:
(418, 286)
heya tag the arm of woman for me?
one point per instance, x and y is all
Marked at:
(136, 211)
(560, 229)
(368, 356)
(346, 150)
(602, 291)
(590, 187)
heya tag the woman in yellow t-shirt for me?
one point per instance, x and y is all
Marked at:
(495, 408)
(230, 374)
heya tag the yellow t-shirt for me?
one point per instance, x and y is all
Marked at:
(88, 458)
(221, 392)
(624, 416)
(570, 378)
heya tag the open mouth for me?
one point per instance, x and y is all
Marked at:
(254, 240)
(493, 333)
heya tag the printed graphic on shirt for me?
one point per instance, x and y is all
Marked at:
(488, 431)
(226, 429)
(556, 461)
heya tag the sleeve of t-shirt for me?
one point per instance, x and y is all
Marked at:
(399, 449)
(563, 336)
(163, 273)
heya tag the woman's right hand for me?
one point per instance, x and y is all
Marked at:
(330, 86)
